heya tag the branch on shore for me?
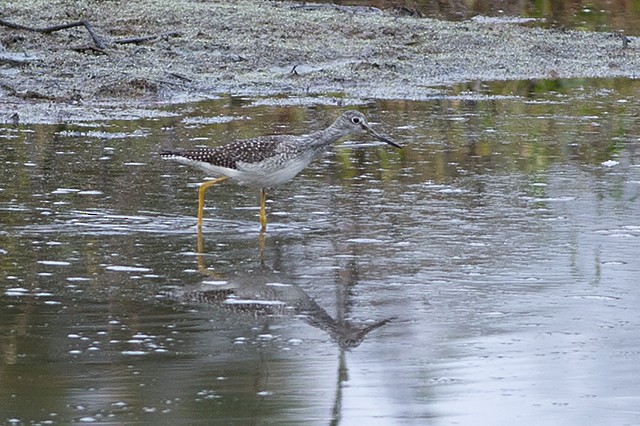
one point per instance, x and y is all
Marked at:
(142, 39)
(16, 59)
(100, 43)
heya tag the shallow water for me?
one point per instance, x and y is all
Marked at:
(501, 244)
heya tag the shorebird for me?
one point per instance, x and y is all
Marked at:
(268, 161)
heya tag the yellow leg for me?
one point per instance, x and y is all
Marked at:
(200, 251)
(263, 210)
(203, 188)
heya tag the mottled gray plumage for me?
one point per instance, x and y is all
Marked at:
(271, 160)
(228, 156)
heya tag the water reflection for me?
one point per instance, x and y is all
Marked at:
(265, 293)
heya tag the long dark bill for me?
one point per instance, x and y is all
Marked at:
(380, 137)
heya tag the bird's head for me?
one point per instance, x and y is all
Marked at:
(355, 122)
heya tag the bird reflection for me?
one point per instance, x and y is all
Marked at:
(262, 292)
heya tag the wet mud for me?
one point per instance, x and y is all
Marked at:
(155, 52)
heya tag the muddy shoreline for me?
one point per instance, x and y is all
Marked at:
(260, 48)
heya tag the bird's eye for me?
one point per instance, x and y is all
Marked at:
(355, 120)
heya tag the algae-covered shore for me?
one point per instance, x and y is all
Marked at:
(265, 48)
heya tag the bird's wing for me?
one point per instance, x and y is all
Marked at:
(248, 151)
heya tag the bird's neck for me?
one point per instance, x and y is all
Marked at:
(326, 137)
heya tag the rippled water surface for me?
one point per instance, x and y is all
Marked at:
(487, 271)
(594, 15)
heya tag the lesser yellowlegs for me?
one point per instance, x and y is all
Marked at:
(268, 161)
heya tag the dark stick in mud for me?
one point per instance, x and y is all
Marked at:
(100, 43)
(48, 30)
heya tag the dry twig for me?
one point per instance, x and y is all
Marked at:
(100, 44)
